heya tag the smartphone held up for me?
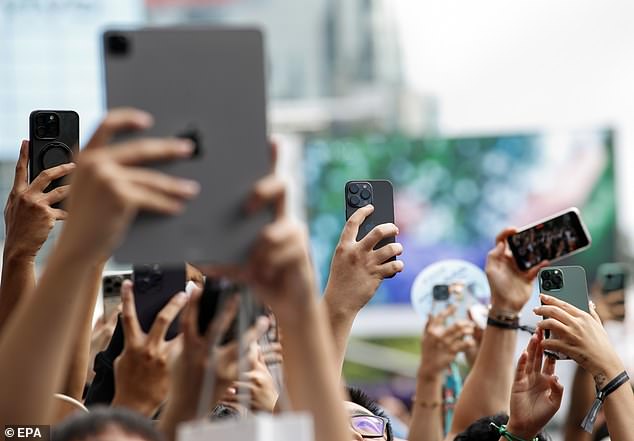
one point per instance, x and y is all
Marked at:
(550, 239)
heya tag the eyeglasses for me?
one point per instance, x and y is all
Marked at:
(369, 426)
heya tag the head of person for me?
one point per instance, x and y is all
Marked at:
(367, 419)
(106, 423)
(482, 430)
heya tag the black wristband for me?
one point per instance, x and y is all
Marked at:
(501, 324)
(588, 422)
(510, 325)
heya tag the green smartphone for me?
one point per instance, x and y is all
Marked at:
(567, 283)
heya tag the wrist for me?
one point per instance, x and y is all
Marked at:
(606, 373)
(504, 308)
(429, 375)
(18, 256)
(142, 407)
(336, 309)
(520, 430)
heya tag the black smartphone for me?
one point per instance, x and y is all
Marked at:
(380, 194)
(549, 239)
(613, 279)
(53, 141)
(154, 287)
(111, 283)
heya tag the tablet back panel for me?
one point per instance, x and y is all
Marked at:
(208, 83)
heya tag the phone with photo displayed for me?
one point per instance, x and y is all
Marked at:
(550, 239)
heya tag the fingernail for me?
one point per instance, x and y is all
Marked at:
(145, 118)
(190, 187)
(186, 145)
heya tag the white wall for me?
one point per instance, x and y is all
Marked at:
(500, 65)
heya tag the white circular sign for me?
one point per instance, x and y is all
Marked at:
(456, 282)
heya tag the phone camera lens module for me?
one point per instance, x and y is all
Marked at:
(354, 200)
(365, 194)
(353, 188)
(547, 285)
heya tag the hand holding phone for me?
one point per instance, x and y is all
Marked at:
(30, 212)
(54, 140)
(568, 284)
(549, 239)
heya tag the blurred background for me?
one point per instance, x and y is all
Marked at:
(482, 114)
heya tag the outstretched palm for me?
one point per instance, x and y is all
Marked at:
(536, 394)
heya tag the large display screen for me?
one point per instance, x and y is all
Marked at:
(453, 195)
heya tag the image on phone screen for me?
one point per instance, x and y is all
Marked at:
(549, 240)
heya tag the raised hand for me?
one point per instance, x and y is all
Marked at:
(257, 385)
(536, 393)
(581, 337)
(29, 215)
(141, 372)
(357, 269)
(510, 287)
(441, 343)
(109, 187)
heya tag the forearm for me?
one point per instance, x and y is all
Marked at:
(426, 421)
(18, 282)
(581, 399)
(492, 372)
(35, 347)
(80, 359)
(340, 321)
(312, 382)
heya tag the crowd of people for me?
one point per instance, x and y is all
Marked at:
(57, 369)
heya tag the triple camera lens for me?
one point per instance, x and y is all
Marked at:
(552, 280)
(359, 194)
(47, 125)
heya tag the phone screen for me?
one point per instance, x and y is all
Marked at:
(549, 240)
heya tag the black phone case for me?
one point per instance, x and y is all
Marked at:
(154, 287)
(383, 202)
(51, 152)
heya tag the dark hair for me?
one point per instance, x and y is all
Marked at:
(481, 430)
(359, 397)
(222, 412)
(86, 425)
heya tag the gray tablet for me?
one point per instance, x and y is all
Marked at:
(206, 84)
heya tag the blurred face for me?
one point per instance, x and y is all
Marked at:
(364, 424)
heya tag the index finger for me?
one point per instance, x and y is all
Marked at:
(130, 321)
(444, 314)
(166, 316)
(505, 234)
(567, 307)
(351, 228)
(20, 179)
(269, 190)
(152, 150)
(119, 120)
